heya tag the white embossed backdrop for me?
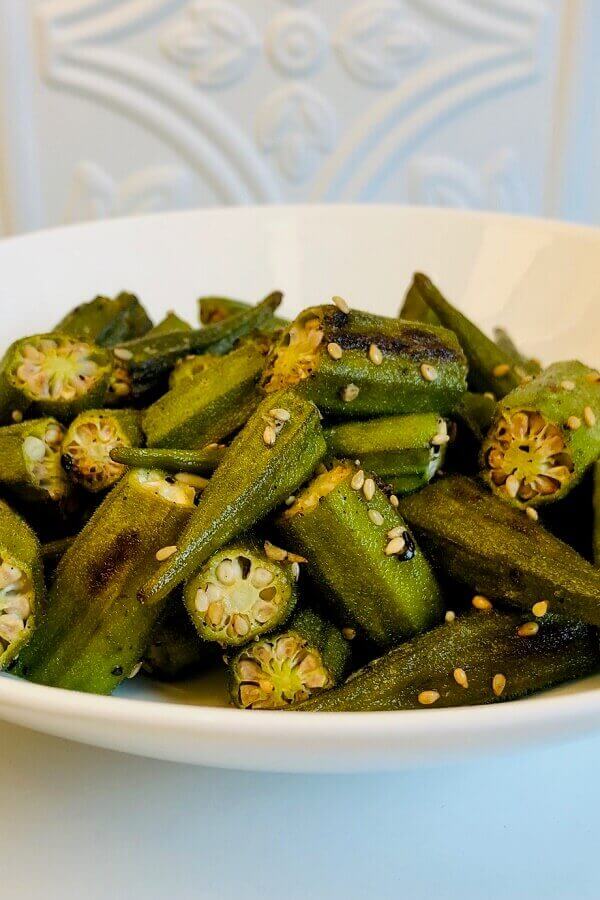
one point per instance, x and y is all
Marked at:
(114, 107)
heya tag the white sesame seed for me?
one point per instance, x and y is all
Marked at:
(500, 370)
(295, 570)
(358, 479)
(529, 629)
(567, 385)
(429, 373)
(349, 633)
(375, 355)
(450, 616)
(289, 500)
(532, 514)
(481, 602)
(573, 423)
(350, 393)
(375, 517)
(395, 532)
(135, 670)
(460, 677)
(490, 396)
(369, 489)
(426, 698)
(498, 684)
(281, 415)
(123, 353)
(589, 416)
(440, 439)
(16, 415)
(269, 436)
(394, 501)
(196, 481)
(395, 546)
(165, 552)
(341, 304)
(334, 350)
(540, 608)
(273, 552)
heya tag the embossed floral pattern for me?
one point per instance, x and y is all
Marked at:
(296, 42)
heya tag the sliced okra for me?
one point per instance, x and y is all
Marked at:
(358, 364)
(545, 436)
(21, 584)
(53, 375)
(210, 407)
(239, 593)
(498, 552)
(478, 658)
(415, 308)
(191, 367)
(30, 460)
(362, 556)
(308, 657)
(95, 631)
(404, 450)
(596, 526)
(196, 462)
(105, 321)
(275, 452)
(175, 650)
(170, 323)
(89, 440)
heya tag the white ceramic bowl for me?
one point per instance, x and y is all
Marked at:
(540, 279)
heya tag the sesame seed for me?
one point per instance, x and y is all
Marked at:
(589, 416)
(281, 415)
(289, 500)
(165, 552)
(500, 370)
(341, 304)
(16, 415)
(358, 479)
(394, 501)
(269, 435)
(529, 629)
(123, 353)
(532, 514)
(395, 546)
(450, 616)
(375, 355)
(490, 396)
(295, 570)
(375, 517)
(512, 486)
(498, 684)
(395, 532)
(540, 608)
(573, 422)
(481, 602)
(460, 677)
(273, 552)
(426, 698)
(334, 350)
(369, 489)
(429, 373)
(196, 481)
(349, 633)
(350, 393)
(567, 385)
(439, 439)
(135, 670)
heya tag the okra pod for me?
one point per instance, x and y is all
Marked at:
(476, 412)
(216, 309)
(53, 550)
(275, 452)
(95, 631)
(309, 657)
(490, 368)
(499, 552)
(175, 650)
(191, 367)
(508, 346)
(53, 375)
(30, 460)
(478, 658)
(358, 364)
(89, 440)
(240, 593)
(21, 584)
(196, 462)
(404, 450)
(415, 308)
(209, 408)
(596, 535)
(362, 556)
(170, 323)
(105, 321)
(545, 436)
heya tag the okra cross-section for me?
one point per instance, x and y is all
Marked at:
(545, 436)
(21, 584)
(275, 452)
(53, 375)
(95, 631)
(309, 657)
(362, 556)
(240, 593)
(88, 443)
(359, 364)
(30, 460)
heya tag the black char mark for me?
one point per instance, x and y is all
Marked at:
(102, 570)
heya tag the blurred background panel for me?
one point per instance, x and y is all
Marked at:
(118, 107)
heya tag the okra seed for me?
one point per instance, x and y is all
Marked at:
(295, 569)
(34, 448)
(135, 670)
(500, 370)
(341, 304)
(16, 415)
(532, 513)
(261, 577)
(213, 592)
(450, 616)
(226, 573)
(398, 531)
(240, 624)
(195, 481)
(201, 601)
(573, 423)
(481, 602)
(269, 436)
(460, 677)
(428, 372)
(281, 415)
(567, 385)
(290, 500)
(334, 350)
(350, 393)
(540, 608)
(165, 552)
(395, 546)
(529, 629)
(123, 353)
(375, 517)
(394, 501)
(375, 355)
(349, 633)
(427, 698)
(215, 612)
(498, 684)
(275, 553)
(589, 416)
(358, 480)
(512, 486)
(369, 489)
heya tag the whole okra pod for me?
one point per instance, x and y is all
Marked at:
(545, 436)
(499, 552)
(175, 650)
(216, 309)
(308, 657)
(241, 592)
(479, 658)
(415, 308)
(53, 375)
(359, 364)
(95, 631)
(21, 584)
(89, 440)
(30, 460)
(196, 462)
(362, 556)
(275, 452)
(105, 321)
(167, 325)
(401, 450)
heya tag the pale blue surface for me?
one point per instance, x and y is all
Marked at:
(85, 824)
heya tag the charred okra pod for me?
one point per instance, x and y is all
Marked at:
(499, 552)
(21, 584)
(545, 436)
(200, 462)
(171, 322)
(53, 375)
(208, 408)
(404, 450)
(276, 451)
(362, 556)
(479, 658)
(107, 322)
(191, 367)
(309, 657)
(358, 364)
(89, 440)
(175, 650)
(415, 308)
(30, 462)
(241, 592)
(95, 631)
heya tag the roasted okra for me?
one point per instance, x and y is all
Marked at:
(30, 460)
(89, 440)
(21, 584)
(105, 321)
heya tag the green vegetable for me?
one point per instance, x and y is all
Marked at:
(479, 658)
(415, 308)
(359, 364)
(30, 460)
(309, 657)
(95, 631)
(596, 538)
(362, 557)
(276, 451)
(169, 324)
(216, 309)
(239, 593)
(107, 322)
(53, 550)
(200, 462)
(500, 552)
(191, 367)
(545, 436)
(476, 412)
(508, 346)
(175, 651)
(89, 440)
